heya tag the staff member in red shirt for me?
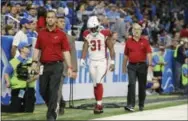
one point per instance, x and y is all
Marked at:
(137, 49)
(52, 45)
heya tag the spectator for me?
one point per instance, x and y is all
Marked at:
(67, 28)
(41, 18)
(32, 13)
(112, 14)
(91, 5)
(159, 64)
(20, 36)
(9, 30)
(32, 31)
(13, 14)
(165, 38)
(179, 56)
(119, 27)
(100, 9)
(185, 76)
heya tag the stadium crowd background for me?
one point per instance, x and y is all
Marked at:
(163, 21)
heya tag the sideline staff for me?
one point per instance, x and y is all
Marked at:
(137, 49)
(51, 47)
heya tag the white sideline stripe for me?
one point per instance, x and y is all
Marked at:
(170, 113)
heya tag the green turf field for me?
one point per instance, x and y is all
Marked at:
(86, 114)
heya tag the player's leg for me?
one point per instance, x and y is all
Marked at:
(101, 72)
(92, 71)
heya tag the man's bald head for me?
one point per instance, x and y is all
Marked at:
(137, 30)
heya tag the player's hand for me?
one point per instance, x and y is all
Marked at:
(74, 75)
(112, 67)
(82, 63)
(69, 72)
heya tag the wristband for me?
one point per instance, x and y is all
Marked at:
(34, 61)
(112, 62)
(150, 65)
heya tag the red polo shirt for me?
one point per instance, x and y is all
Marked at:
(52, 44)
(137, 51)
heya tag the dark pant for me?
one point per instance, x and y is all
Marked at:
(186, 89)
(30, 100)
(158, 74)
(25, 104)
(49, 87)
(178, 72)
(62, 101)
(137, 71)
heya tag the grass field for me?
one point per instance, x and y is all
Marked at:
(86, 114)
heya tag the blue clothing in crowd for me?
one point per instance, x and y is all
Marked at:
(112, 15)
(185, 71)
(38, 2)
(155, 60)
(31, 34)
(138, 14)
(67, 25)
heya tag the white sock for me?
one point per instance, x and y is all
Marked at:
(99, 102)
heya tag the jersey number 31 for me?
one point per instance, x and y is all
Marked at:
(95, 45)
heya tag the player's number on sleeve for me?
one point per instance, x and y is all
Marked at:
(95, 45)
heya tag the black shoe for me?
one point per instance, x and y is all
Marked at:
(141, 108)
(129, 108)
(50, 119)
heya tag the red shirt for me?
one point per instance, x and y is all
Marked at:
(137, 51)
(184, 33)
(52, 44)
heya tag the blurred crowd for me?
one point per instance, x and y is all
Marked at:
(161, 20)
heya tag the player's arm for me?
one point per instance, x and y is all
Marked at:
(110, 45)
(84, 53)
(85, 49)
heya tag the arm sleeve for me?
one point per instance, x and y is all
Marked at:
(155, 60)
(9, 69)
(65, 44)
(37, 45)
(126, 50)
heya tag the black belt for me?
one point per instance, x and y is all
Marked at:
(52, 62)
(137, 63)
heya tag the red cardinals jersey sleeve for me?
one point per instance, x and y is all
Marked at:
(106, 32)
(86, 33)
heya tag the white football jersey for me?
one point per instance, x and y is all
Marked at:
(97, 44)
